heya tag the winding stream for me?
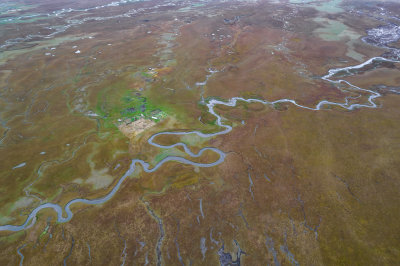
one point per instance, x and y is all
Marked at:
(20, 254)
(226, 129)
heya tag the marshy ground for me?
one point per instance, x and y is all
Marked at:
(296, 186)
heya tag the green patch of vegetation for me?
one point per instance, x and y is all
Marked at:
(115, 106)
(164, 154)
(146, 74)
(160, 157)
(44, 232)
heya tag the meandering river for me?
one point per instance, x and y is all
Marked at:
(61, 218)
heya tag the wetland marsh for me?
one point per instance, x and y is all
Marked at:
(199, 132)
